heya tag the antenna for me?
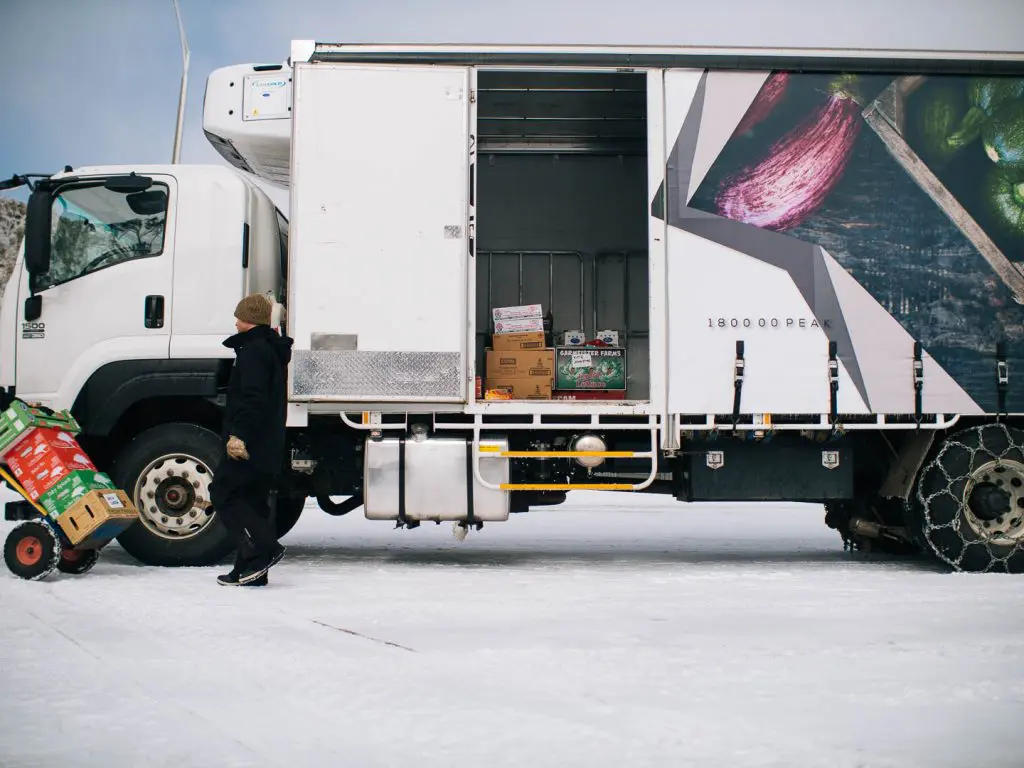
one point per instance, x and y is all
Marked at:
(184, 85)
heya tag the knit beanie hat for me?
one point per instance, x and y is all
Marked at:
(255, 309)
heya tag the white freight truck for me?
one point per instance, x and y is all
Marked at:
(511, 273)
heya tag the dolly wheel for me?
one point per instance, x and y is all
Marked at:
(77, 561)
(32, 550)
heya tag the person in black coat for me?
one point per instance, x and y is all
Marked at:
(254, 441)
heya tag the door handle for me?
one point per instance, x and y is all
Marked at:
(154, 311)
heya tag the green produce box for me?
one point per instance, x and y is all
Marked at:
(69, 490)
(590, 368)
(17, 420)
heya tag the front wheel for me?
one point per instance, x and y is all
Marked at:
(32, 550)
(167, 471)
(971, 500)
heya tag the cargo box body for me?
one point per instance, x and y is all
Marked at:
(802, 229)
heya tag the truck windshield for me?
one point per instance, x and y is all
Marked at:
(94, 227)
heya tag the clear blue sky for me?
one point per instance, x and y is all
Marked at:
(96, 81)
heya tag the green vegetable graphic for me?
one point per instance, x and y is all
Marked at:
(986, 96)
(1006, 191)
(1003, 136)
(989, 93)
(938, 121)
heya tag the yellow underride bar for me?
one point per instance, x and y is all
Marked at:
(492, 451)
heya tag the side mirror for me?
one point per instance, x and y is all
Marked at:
(38, 221)
(33, 308)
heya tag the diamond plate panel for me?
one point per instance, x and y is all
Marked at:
(384, 375)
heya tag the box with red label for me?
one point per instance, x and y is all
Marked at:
(44, 457)
(589, 394)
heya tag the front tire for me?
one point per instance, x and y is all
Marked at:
(167, 471)
(971, 500)
(32, 550)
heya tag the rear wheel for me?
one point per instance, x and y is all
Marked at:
(32, 550)
(971, 497)
(78, 561)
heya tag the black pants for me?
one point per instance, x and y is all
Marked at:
(240, 496)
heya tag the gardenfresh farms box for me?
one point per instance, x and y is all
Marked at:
(590, 368)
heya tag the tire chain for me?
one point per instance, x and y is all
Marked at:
(960, 442)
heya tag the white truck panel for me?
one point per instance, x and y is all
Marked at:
(720, 296)
(379, 237)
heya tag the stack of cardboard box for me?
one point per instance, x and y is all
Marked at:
(54, 472)
(523, 365)
(520, 365)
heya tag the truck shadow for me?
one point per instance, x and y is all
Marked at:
(424, 555)
(496, 557)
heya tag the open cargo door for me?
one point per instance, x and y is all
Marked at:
(380, 233)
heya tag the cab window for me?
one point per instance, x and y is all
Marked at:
(94, 228)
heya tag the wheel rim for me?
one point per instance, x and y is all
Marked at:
(993, 501)
(173, 496)
(29, 551)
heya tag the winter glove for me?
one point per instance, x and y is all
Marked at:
(237, 449)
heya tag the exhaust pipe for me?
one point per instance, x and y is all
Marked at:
(864, 527)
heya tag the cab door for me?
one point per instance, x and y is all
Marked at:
(106, 296)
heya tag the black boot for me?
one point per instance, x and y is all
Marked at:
(231, 580)
(257, 569)
(244, 559)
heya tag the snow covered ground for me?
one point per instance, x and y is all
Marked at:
(613, 631)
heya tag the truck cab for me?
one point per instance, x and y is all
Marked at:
(116, 309)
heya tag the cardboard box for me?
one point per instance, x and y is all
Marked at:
(573, 338)
(523, 364)
(528, 325)
(524, 312)
(534, 388)
(44, 457)
(97, 517)
(590, 368)
(589, 394)
(510, 342)
(498, 393)
(73, 487)
(611, 338)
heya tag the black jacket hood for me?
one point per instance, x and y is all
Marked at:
(281, 344)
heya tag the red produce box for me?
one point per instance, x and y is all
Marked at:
(45, 457)
(589, 394)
